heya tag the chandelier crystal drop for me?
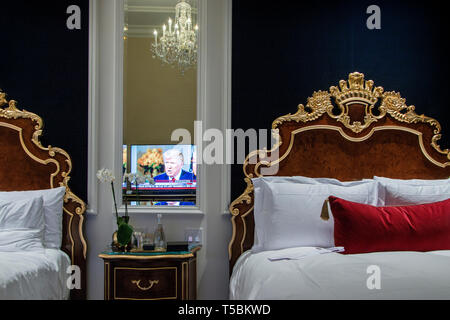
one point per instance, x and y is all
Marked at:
(178, 44)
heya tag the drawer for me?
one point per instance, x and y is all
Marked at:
(145, 283)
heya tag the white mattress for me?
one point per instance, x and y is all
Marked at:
(34, 275)
(403, 275)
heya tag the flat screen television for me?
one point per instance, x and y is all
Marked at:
(174, 179)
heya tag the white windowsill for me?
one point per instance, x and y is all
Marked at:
(163, 210)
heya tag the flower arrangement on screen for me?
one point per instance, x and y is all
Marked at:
(151, 163)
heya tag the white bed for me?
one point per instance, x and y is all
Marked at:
(376, 184)
(34, 275)
(403, 275)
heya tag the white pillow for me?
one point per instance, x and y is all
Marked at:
(399, 192)
(402, 195)
(413, 182)
(16, 240)
(259, 195)
(289, 214)
(27, 213)
(308, 180)
(53, 211)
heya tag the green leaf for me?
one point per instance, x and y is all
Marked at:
(124, 233)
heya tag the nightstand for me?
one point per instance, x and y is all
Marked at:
(150, 276)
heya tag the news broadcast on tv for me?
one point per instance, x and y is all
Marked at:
(163, 175)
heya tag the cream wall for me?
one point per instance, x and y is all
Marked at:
(157, 98)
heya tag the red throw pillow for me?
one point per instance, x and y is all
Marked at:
(362, 228)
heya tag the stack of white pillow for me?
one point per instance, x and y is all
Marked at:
(31, 220)
(287, 209)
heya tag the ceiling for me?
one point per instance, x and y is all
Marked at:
(144, 16)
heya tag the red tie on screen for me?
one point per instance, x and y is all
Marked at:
(173, 179)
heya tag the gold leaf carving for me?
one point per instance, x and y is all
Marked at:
(245, 197)
(318, 104)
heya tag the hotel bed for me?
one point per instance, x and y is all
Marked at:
(41, 220)
(34, 275)
(404, 275)
(351, 203)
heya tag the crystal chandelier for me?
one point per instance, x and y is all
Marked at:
(178, 43)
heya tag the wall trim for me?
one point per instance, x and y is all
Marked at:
(226, 102)
(117, 109)
(141, 31)
(93, 123)
(153, 9)
(201, 106)
(202, 96)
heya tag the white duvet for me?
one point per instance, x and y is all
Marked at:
(400, 275)
(34, 275)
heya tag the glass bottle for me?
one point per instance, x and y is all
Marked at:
(160, 238)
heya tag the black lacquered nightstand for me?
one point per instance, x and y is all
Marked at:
(150, 275)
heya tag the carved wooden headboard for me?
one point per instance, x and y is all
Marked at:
(26, 165)
(350, 132)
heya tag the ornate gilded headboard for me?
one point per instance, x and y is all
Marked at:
(350, 132)
(26, 165)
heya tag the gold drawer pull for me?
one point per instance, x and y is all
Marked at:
(138, 284)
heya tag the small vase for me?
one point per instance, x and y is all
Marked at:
(116, 247)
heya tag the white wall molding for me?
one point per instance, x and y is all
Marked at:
(142, 31)
(171, 211)
(153, 9)
(226, 101)
(202, 94)
(118, 98)
(117, 109)
(93, 110)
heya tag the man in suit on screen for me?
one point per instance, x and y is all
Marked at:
(173, 164)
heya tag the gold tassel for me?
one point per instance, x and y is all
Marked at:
(325, 215)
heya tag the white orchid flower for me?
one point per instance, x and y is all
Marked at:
(105, 175)
(129, 176)
(140, 180)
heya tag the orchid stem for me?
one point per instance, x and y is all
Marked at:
(114, 198)
(126, 199)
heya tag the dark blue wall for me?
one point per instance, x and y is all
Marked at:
(283, 51)
(44, 66)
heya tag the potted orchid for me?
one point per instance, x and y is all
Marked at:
(124, 230)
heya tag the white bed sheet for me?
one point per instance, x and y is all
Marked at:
(403, 275)
(34, 275)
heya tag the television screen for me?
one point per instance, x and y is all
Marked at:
(167, 172)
